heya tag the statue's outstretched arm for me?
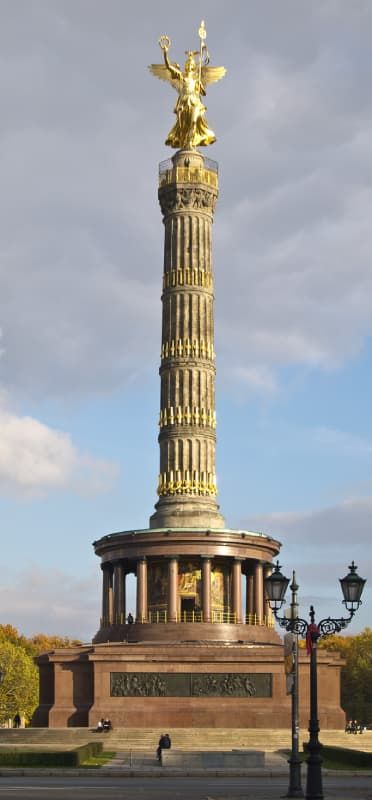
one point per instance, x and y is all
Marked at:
(173, 69)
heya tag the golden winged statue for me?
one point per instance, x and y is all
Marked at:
(191, 128)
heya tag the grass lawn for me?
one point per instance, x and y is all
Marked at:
(343, 765)
(98, 761)
(328, 763)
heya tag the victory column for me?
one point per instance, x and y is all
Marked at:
(192, 656)
(187, 194)
(195, 575)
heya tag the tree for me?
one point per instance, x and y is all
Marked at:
(356, 674)
(356, 680)
(19, 689)
(41, 643)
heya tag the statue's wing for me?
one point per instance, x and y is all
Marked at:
(162, 72)
(212, 74)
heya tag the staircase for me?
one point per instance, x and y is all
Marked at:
(145, 740)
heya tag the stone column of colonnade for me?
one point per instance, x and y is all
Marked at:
(257, 607)
(249, 599)
(187, 439)
(206, 574)
(141, 602)
(236, 590)
(172, 589)
(259, 590)
(114, 591)
(269, 614)
(119, 593)
(107, 595)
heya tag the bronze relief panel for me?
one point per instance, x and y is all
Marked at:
(210, 684)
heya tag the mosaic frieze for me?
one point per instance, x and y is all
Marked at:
(189, 581)
(218, 588)
(157, 584)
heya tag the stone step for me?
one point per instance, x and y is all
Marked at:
(186, 739)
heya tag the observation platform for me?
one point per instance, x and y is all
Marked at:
(190, 585)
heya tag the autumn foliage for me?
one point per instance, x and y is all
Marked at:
(19, 690)
(356, 675)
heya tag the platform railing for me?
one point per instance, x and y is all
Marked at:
(253, 619)
(168, 166)
(188, 175)
(223, 617)
(190, 617)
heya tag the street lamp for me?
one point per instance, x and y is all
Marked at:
(276, 585)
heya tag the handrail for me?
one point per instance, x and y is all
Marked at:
(167, 165)
(160, 617)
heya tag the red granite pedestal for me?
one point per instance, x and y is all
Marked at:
(76, 686)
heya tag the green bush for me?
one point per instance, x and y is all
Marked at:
(344, 755)
(48, 758)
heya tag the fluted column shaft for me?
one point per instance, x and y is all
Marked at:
(119, 593)
(259, 591)
(172, 589)
(236, 589)
(141, 612)
(187, 479)
(206, 588)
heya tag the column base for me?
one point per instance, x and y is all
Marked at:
(171, 512)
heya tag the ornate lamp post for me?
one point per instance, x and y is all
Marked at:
(295, 787)
(276, 586)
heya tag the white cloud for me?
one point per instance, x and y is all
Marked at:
(48, 600)
(319, 545)
(345, 443)
(35, 458)
(52, 601)
(258, 378)
(80, 231)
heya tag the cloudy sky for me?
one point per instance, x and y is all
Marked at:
(82, 127)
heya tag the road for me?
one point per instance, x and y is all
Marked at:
(100, 788)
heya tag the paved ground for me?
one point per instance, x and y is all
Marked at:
(100, 788)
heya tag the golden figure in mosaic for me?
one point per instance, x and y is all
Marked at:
(191, 128)
(189, 579)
